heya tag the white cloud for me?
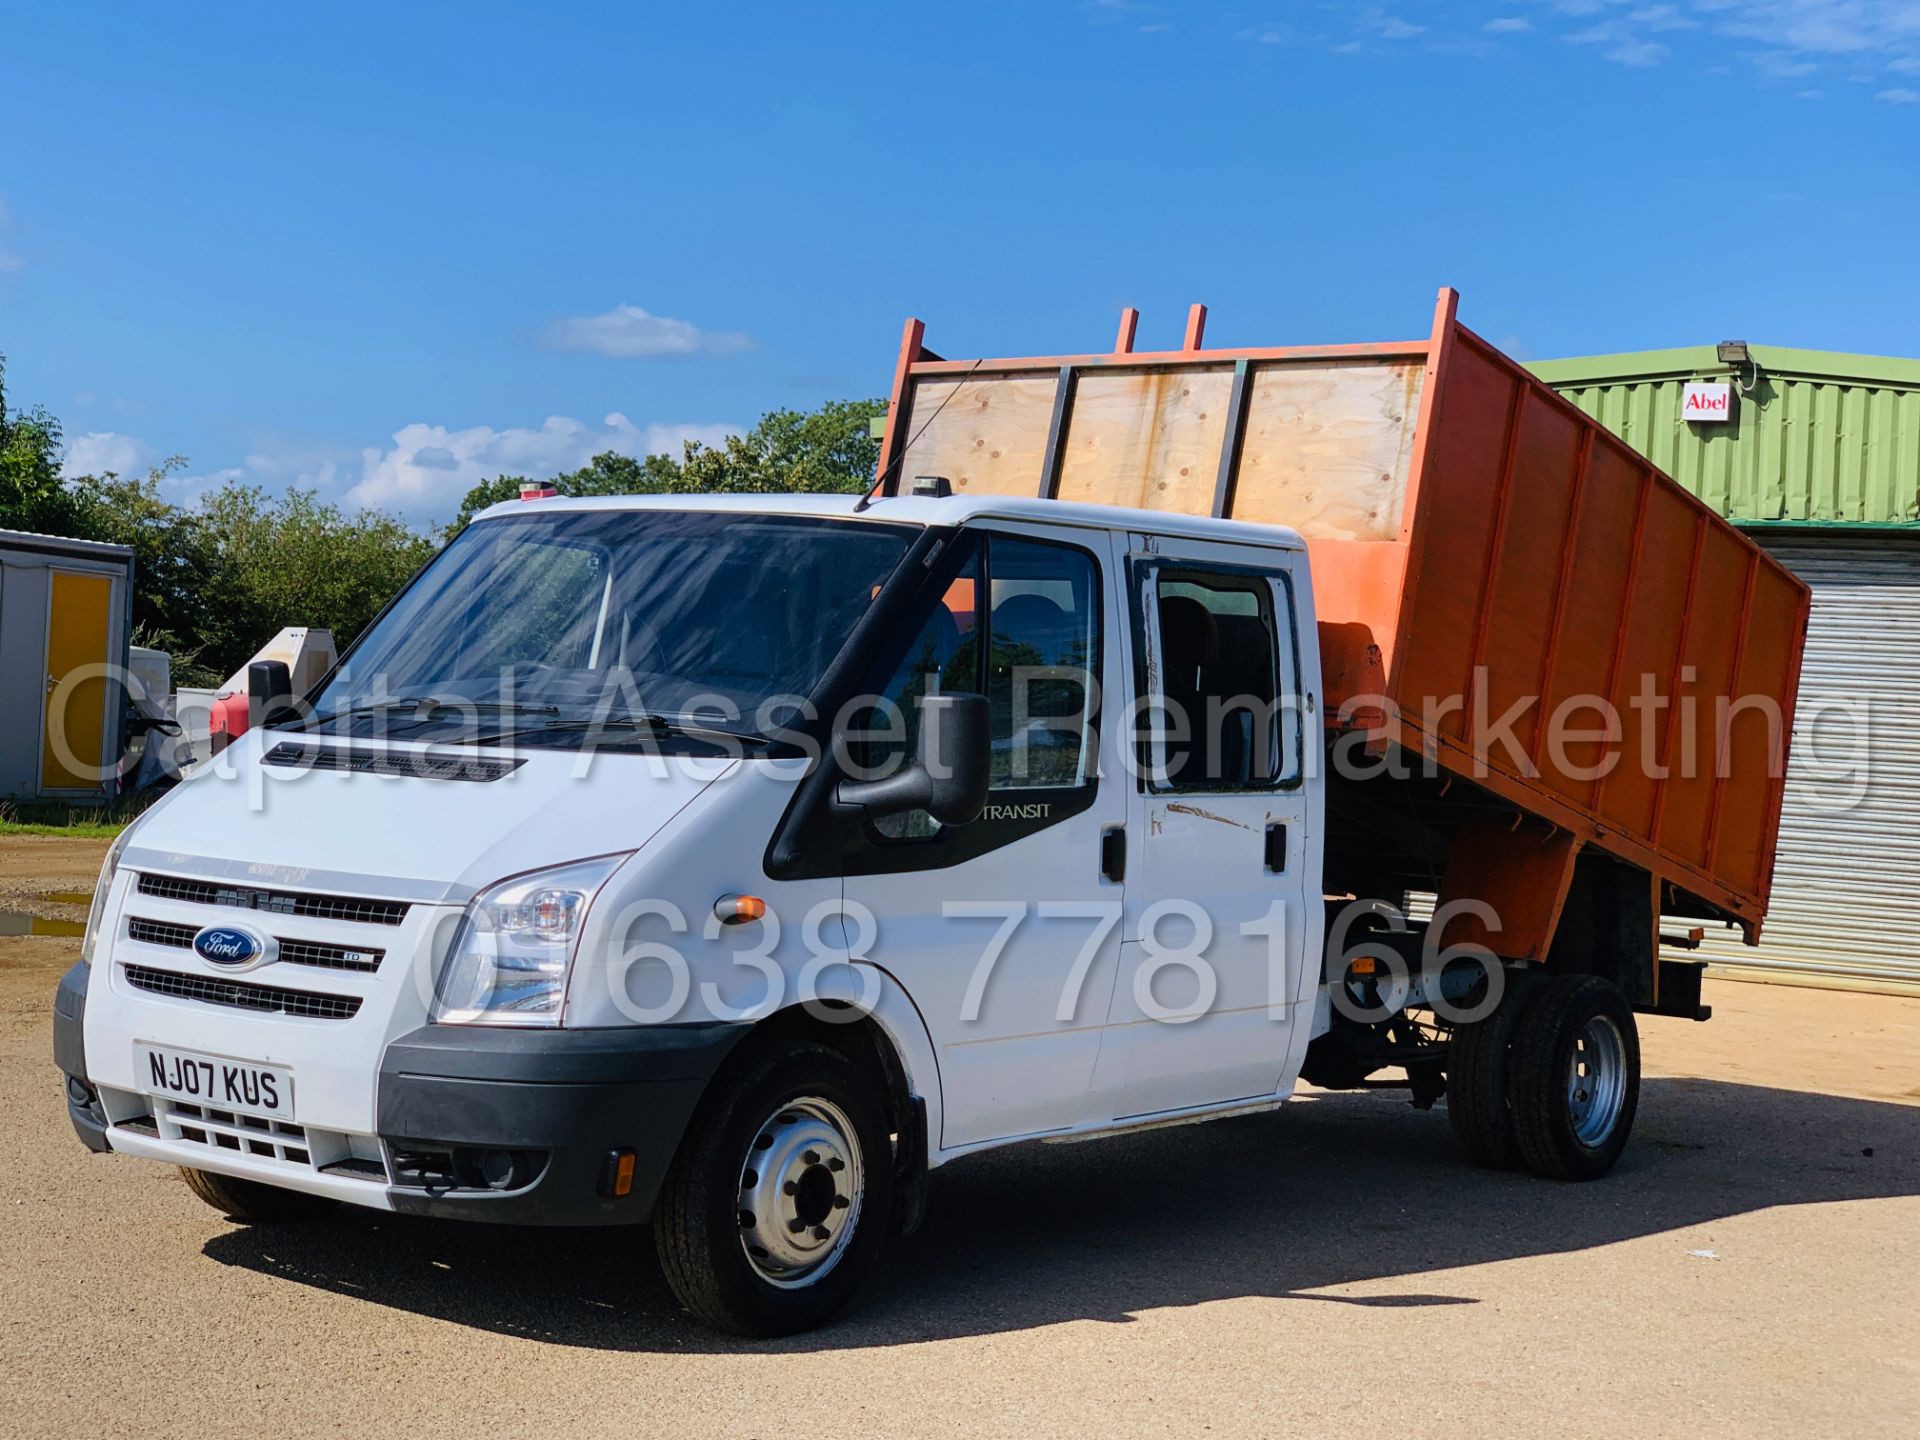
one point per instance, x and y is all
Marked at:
(102, 450)
(1785, 40)
(1826, 27)
(1508, 25)
(429, 467)
(1637, 53)
(627, 332)
(1394, 28)
(1899, 95)
(1660, 18)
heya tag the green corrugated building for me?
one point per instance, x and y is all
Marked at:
(1817, 455)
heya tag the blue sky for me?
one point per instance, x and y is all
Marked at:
(388, 250)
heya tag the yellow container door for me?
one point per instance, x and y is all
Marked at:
(79, 619)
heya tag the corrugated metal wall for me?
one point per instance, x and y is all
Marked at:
(1846, 890)
(1822, 437)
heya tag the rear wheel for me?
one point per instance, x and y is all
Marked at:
(1478, 1101)
(1575, 1068)
(250, 1202)
(778, 1204)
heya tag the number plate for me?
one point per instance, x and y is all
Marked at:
(209, 1080)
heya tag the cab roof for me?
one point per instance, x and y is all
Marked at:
(928, 510)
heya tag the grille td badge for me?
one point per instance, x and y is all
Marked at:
(233, 947)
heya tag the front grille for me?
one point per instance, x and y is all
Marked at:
(279, 902)
(329, 957)
(234, 1130)
(159, 932)
(292, 952)
(267, 999)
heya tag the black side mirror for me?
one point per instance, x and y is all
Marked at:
(269, 691)
(949, 774)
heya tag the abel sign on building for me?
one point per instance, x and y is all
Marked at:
(1708, 403)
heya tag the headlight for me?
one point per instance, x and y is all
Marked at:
(108, 869)
(510, 957)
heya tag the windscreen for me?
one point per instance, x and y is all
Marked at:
(577, 614)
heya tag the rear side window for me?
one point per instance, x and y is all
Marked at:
(1222, 702)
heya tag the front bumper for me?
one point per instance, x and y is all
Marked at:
(70, 1054)
(520, 1127)
(527, 1126)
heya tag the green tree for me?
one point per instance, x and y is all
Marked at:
(214, 581)
(176, 563)
(294, 559)
(32, 496)
(830, 449)
(610, 473)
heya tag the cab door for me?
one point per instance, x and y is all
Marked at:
(1006, 931)
(1218, 952)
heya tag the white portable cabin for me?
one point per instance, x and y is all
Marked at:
(65, 622)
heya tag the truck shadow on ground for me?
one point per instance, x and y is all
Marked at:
(1339, 1190)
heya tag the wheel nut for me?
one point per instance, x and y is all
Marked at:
(836, 1164)
(789, 1188)
(840, 1202)
(796, 1225)
(820, 1232)
(812, 1157)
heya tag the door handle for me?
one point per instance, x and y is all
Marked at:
(1277, 848)
(1113, 853)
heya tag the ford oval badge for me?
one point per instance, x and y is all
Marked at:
(229, 946)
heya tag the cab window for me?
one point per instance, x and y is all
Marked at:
(1021, 625)
(1222, 708)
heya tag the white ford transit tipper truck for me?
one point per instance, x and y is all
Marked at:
(730, 863)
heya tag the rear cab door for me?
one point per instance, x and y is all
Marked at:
(1222, 927)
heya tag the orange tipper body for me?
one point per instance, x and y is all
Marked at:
(1486, 558)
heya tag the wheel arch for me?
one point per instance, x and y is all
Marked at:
(868, 1014)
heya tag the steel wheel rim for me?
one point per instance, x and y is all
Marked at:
(1596, 1080)
(801, 1185)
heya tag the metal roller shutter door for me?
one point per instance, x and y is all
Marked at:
(1846, 887)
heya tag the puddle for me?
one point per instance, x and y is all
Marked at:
(19, 922)
(69, 897)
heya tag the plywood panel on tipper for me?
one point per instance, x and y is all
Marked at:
(1147, 438)
(1328, 447)
(987, 434)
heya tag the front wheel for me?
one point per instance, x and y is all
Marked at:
(250, 1202)
(778, 1204)
(1575, 1075)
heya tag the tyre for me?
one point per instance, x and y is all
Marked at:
(250, 1202)
(1575, 1078)
(779, 1202)
(1477, 1079)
